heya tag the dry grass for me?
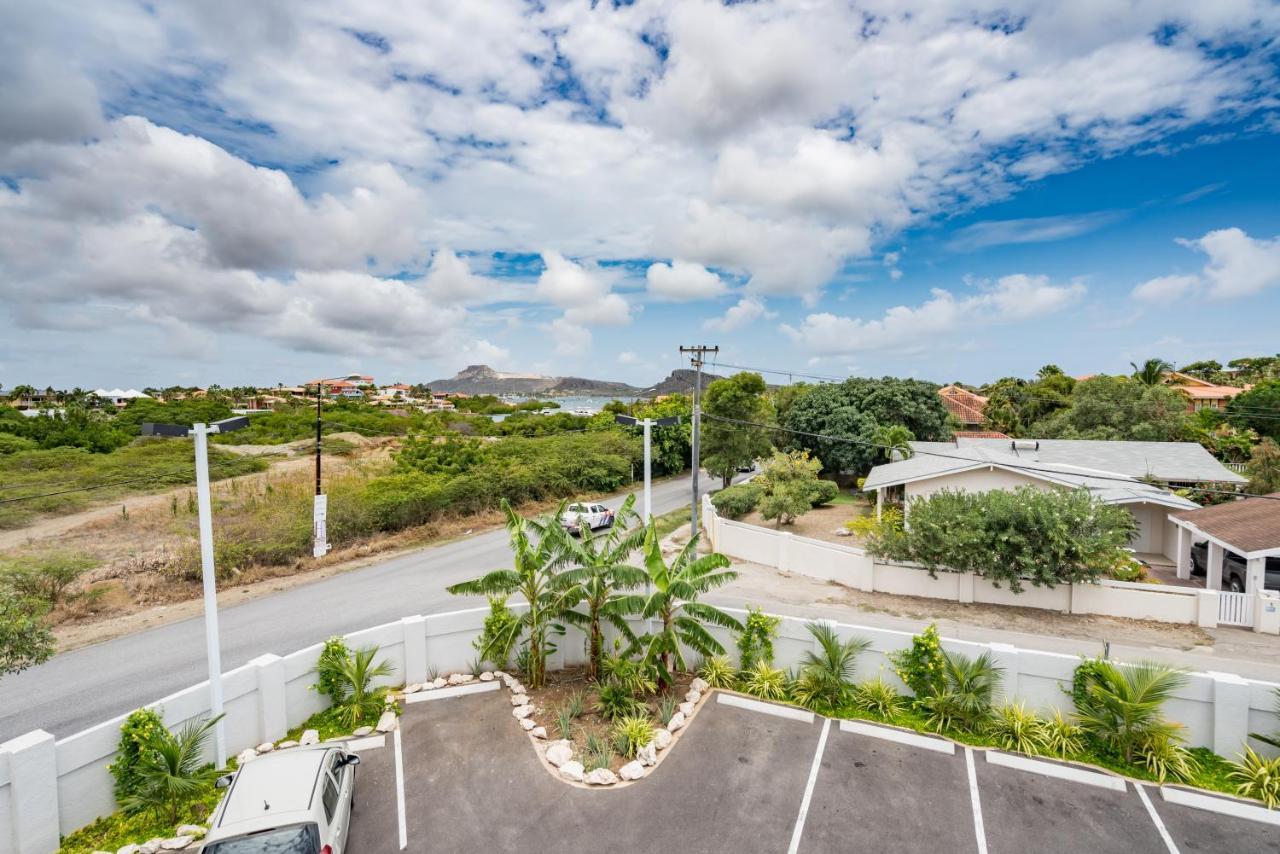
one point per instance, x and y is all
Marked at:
(820, 523)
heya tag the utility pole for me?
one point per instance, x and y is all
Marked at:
(319, 394)
(697, 354)
(320, 510)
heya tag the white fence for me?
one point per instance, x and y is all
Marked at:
(49, 787)
(853, 567)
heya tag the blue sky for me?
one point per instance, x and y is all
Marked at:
(949, 191)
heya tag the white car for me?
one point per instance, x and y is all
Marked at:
(580, 517)
(295, 801)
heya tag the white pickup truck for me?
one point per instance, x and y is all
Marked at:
(581, 517)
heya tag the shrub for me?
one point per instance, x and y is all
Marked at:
(921, 667)
(877, 697)
(965, 699)
(826, 676)
(1062, 738)
(823, 492)
(328, 666)
(598, 754)
(615, 702)
(1120, 707)
(630, 734)
(766, 682)
(789, 480)
(25, 638)
(499, 636)
(718, 672)
(138, 730)
(47, 577)
(171, 770)
(785, 503)
(667, 705)
(755, 641)
(1257, 777)
(737, 501)
(351, 678)
(1014, 728)
(564, 722)
(633, 677)
(1163, 754)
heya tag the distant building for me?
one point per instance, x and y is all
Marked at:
(118, 397)
(1202, 394)
(969, 408)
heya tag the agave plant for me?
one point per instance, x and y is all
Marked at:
(1120, 706)
(826, 676)
(171, 771)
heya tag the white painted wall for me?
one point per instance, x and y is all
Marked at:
(977, 480)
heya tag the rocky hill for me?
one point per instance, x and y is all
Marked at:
(680, 381)
(482, 379)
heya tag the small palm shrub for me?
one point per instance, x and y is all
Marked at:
(765, 682)
(1163, 754)
(598, 753)
(1015, 728)
(826, 676)
(965, 698)
(350, 679)
(1257, 777)
(633, 677)
(718, 672)
(1062, 738)
(755, 641)
(615, 702)
(630, 734)
(171, 771)
(1120, 707)
(328, 680)
(877, 697)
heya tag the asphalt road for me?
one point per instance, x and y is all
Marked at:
(78, 689)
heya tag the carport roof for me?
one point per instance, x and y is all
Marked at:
(1248, 525)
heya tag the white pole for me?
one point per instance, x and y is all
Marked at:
(648, 497)
(200, 433)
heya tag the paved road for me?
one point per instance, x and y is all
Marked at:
(78, 689)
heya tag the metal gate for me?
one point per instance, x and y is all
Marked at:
(1235, 609)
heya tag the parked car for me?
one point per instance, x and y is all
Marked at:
(580, 517)
(1234, 568)
(295, 801)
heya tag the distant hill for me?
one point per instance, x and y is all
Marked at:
(482, 379)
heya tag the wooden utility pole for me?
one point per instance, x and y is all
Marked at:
(697, 354)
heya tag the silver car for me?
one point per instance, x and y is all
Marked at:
(295, 801)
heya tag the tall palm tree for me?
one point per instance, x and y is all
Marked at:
(1121, 705)
(673, 599)
(600, 572)
(537, 553)
(1152, 371)
(171, 770)
(826, 676)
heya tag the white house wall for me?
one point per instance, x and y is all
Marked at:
(976, 480)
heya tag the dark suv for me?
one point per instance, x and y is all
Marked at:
(1234, 569)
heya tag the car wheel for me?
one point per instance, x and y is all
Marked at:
(1235, 585)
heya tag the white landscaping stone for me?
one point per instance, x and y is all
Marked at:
(631, 771)
(522, 712)
(572, 770)
(413, 689)
(676, 722)
(387, 722)
(661, 739)
(439, 682)
(516, 687)
(127, 849)
(177, 843)
(309, 736)
(455, 678)
(467, 678)
(600, 777)
(151, 846)
(700, 685)
(559, 752)
(686, 709)
(284, 745)
(265, 747)
(196, 830)
(539, 732)
(528, 724)
(246, 756)
(693, 696)
(519, 700)
(486, 676)
(647, 755)
(498, 674)
(361, 732)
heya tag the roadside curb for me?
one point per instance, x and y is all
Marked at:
(764, 708)
(899, 736)
(1058, 771)
(451, 691)
(1221, 805)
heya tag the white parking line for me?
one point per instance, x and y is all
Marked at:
(404, 829)
(765, 708)
(979, 831)
(808, 789)
(451, 691)
(1155, 817)
(1053, 769)
(939, 745)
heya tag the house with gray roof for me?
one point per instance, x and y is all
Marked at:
(1116, 472)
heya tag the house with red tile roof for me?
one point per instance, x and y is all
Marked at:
(1202, 394)
(969, 408)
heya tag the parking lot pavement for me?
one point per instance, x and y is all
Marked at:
(1196, 830)
(374, 818)
(888, 798)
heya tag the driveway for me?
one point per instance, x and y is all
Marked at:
(745, 781)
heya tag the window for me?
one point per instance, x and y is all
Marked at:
(297, 839)
(330, 796)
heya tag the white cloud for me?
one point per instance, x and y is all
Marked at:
(1165, 288)
(568, 338)
(626, 357)
(450, 281)
(981, 235)
(927, 326)
(681, 281)
(1239, 265)
(583, 293)
(745, 311)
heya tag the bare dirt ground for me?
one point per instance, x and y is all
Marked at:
(820, 523)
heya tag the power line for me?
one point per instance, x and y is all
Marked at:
(961, 458)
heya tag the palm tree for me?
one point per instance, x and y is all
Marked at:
(826, 676)
(600, 573)
(894, 438)
(673, 599)
(1121, 706)
(1152, 371)
(171, 770)
(537, 551)
(969, 686)
(355, 674)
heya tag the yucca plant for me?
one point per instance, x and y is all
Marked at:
(614, 702)
(630, 734)
(1257, 777)
(877, 697)
(574, 703)
(598, 753)
(564, 723)
(965, 700)
(826, 676)
(1015, 728)
(718, 672)
(1120, 706)
(765, 682)
(352, 679)
(1163, 754)
(171, 771)
(1062, 738)
(667, 705)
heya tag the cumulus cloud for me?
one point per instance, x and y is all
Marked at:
(1238, 266)
(1165, 288)
(585, 294)
(568, 338)
(1011, 298)
(450, 281)
(681, 281)
(745, 311)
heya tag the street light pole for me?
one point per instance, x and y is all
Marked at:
(698, 353)
(648, 496)
(200, 433)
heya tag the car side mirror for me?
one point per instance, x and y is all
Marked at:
(223, 781)
(351, 759)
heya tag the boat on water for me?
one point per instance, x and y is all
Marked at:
(583, 411)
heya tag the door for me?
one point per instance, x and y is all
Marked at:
(337, 807)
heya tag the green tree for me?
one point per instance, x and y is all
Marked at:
(672, 599)
(894, 438)
(171, 770)
(1117, 408)
(1206, 369)
(599, 574)
(25, 639)
(537, 547)
(672, 446)
(728, 445)
(790, 481)
(1263, 468)
(1258, 409)
(1121, 706)
(1152, 371)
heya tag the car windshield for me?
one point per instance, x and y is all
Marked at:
(296, 839)
(576, 508)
